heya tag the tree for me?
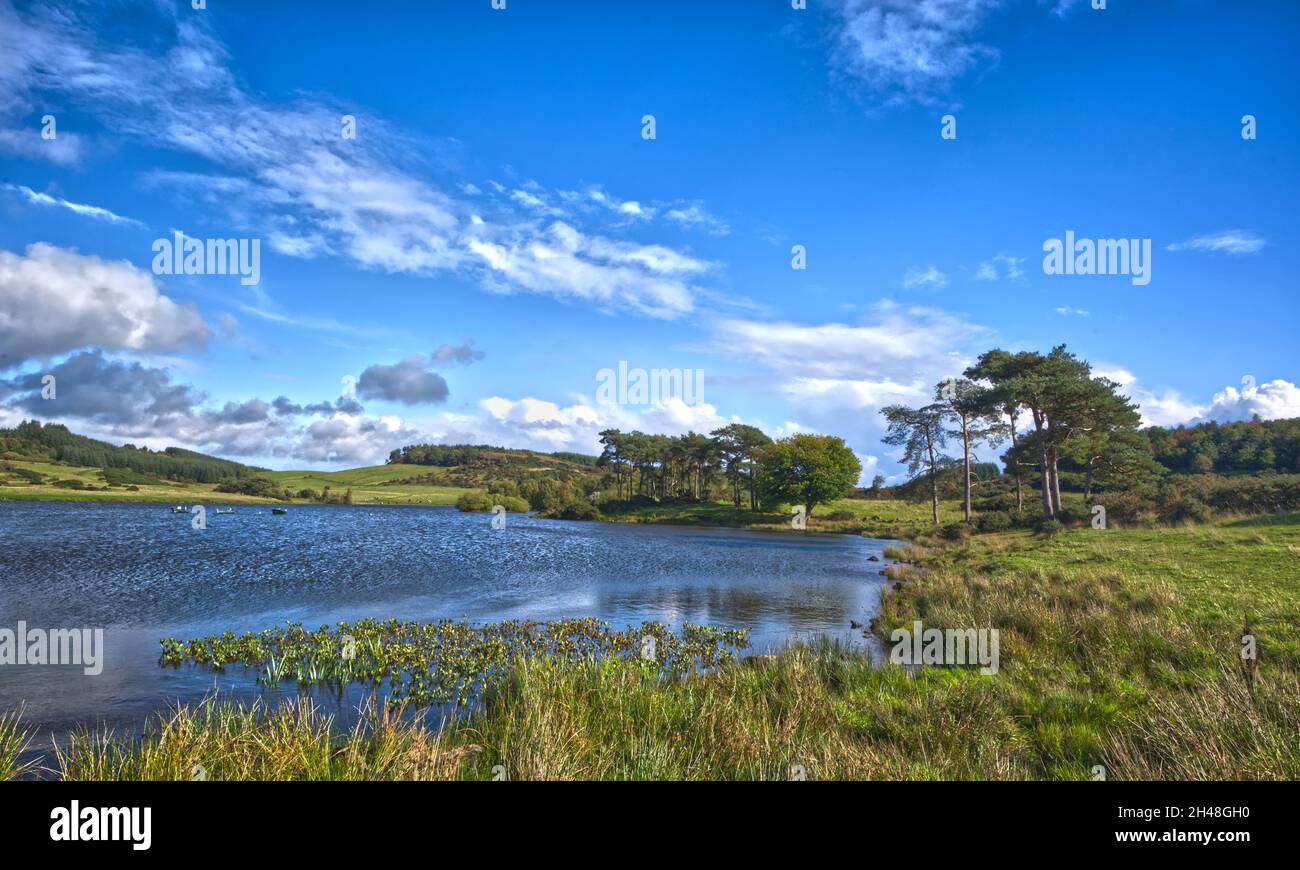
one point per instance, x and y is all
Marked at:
(739, 446)
(808, 470)
(920, 432)
(975, 410)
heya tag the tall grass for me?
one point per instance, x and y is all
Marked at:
(14, 740)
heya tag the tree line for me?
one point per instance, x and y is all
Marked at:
(739, 460)
(1073, 421)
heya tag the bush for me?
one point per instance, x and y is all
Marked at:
(580, 509)
(482, 502)
(256, 486)
(1124, 507)
(1070, 517)
(1048, 526)
(124, 476)
(1189, 510)
(995, 521)
(955, 532)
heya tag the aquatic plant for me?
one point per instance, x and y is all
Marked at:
(446, 661)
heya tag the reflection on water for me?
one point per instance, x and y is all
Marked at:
(142, 573)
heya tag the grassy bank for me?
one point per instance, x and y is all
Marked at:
(1119, 649)
(885, 518)
(381, 484)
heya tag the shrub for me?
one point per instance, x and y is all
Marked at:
(256, 486)
(955, 532)
(1124, 507)
(994, 521)
(579, 509)
(483, 502)
(1048, 526)
(1189, 510)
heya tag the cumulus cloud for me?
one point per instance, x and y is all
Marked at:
(92, 387)
(407, 381)
(1274, 400)
(1234, 242)
(121, 400)
(55, 300)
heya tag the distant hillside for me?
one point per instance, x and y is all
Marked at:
(482, 455)
(31, 441)
(1228, 448)
(546, 480)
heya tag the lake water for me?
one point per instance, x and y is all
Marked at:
(142, 573)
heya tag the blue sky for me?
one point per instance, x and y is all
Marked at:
(500, 231)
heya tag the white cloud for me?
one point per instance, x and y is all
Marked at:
(568, 264)
(999, 267)
(283, 170)
(65, 149)
(1168, 408)
(1236, 242)
(55, 300)
(92, 211)
(927, 277)
(1067, 311)
(1274, 400)
(913, 50)
(837, 376)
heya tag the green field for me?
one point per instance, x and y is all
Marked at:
(886, 518)
(368, 486)
(377, 484)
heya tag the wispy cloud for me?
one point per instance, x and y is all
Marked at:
(929, 277)
(1235, 242)
(285, 171)
(999, 267)
(913, 50)
(91, 211)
